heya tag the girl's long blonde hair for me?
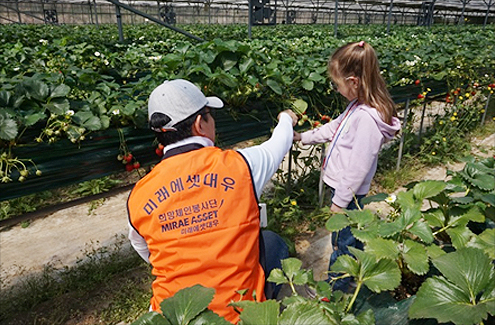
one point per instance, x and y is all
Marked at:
(359, 60)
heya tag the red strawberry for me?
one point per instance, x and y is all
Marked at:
(128, 158)
(325, 118)
(136, 165)
(129, 167)
(417, 82)
(420, 96)
(325, 299)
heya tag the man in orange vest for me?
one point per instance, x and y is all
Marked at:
(195, 217)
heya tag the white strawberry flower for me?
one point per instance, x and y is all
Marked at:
(391, 198)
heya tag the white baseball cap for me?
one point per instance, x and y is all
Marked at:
(179, 99)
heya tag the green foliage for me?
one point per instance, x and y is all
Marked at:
(478, 179)
(464, 295)
(416, 238)
(96, 186)
(189, 305)
(65, 82)
(292, 201)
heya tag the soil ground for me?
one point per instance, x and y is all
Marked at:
(60, 239)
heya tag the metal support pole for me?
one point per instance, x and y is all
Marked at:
(461, 19)
(336, 23)
(422, 121)
(18, 12)
(90, 12)
(96, 13)
(250, 18)
(119, 22)
(486, 109)
(431, 13)
(321, 184)
(401, 144)
(487, 13)
(390, 15)
(288, 186)
(209, 12)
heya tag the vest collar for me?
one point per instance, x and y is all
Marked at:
(182, 149)
(185, 145)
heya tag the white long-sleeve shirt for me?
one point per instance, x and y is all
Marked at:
(263, 160)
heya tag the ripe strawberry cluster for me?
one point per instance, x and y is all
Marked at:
(314, 123)
(129, 161)
(159, 150)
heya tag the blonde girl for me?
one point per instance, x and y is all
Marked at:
(355, 137)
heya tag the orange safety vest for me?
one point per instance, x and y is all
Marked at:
(199, 215)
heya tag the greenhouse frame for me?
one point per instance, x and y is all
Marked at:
(264, 12)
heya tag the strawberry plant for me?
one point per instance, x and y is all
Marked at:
(418, 237)
(64, 82)
(190, 305)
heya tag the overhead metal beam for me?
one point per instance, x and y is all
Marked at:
(153, 19)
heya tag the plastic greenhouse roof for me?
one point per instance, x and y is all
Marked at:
(470, 5)
(479, 6)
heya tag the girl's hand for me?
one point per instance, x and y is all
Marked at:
(335, 208)
(297, 136)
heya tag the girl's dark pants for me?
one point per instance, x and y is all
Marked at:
(341, 241)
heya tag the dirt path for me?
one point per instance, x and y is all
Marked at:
(62, 238)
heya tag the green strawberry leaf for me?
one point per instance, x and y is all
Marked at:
(377, 275)
(434, 251)
(186, 304)
(308, 84)
(58, 106)
(416, 257)
(209, 317)
(258, 313)
(382, 248)
(275, 86)
(291, 267)
(423, 231)
(459, 236)
(277, 276)
(32, 119)
(8, 128)
(151, 318)
(299, 106)
(485, 241)
(466, 295)
(374, 198)
(435, 217)
(337, 222)
(428, 189)
(60, 91)
(304, 313)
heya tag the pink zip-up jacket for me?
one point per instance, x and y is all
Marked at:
(354, 156)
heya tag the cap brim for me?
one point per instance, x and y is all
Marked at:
(214, 102)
